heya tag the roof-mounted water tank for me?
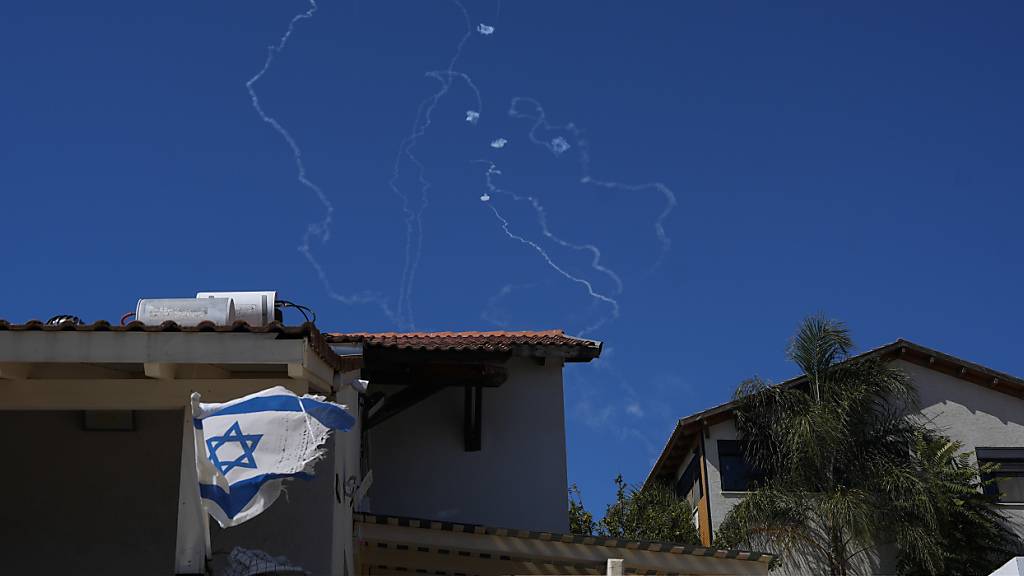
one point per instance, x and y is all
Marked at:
(256, 308)
(186, 311)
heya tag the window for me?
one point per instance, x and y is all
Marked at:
(688, 486)
(1009, 478)
(737, 474)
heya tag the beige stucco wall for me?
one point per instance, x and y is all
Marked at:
(518, 479)
(973, 415)
(721, 502)
(88, 502)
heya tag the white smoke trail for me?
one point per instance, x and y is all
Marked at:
(322, 229)
(414, 217)
(559, 145)
(542, 219)
(585, 283)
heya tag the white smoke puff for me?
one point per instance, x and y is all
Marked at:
(472, 116)
(499, 143)
(559, 145)
(485, 29)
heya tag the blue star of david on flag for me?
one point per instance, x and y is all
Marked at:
(234, 434)
(291, 431)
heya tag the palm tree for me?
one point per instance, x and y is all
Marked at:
(837, 454)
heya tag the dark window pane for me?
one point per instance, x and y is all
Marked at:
(1008, 483)
(688, 486)
(737, 474)
(1011, 488)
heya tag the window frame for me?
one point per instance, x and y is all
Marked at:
(732, 449)
(692, 471)
(1011, 464)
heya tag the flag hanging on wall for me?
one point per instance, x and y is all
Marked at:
(247, 447)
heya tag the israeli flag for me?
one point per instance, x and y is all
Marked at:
(245, 448)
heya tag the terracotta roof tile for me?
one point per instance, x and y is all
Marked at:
(534, 343)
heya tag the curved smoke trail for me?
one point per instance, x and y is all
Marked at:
(559, 145)
(320, 230)
(538, 208)
(414, 217)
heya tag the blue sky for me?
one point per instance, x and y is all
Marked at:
(861, 160)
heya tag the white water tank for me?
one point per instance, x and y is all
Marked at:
(256, 308)
(185, 311)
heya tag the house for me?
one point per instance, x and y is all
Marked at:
(99, 453)
(977, 406)
(465, 435)
(456, 463)
(475, 419)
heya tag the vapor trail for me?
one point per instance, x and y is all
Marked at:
(558, 145)
(589, 287)
(322, 229)
(542, 219)
(414, 217)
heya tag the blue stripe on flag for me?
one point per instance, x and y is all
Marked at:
(329, 415)
(242, 492)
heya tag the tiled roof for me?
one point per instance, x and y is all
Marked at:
(316, 340)
(529, 343)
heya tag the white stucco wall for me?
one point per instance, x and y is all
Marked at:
(721, 502)
(973, 415)
(517, 480)
(976, 416)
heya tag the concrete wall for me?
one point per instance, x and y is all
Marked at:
(102, 502)
(518, 479)
(88, 502)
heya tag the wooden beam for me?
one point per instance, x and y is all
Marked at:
(445, 374)
(472, 408)
(134, 347)
(559, 551)
(203, 371)
(704, 511)
(128, 394)
(314, 370)
(159, 370)
(15, 370)
(380, 560)
(405, 398)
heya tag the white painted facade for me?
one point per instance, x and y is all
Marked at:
(517, 480)
(974, 415)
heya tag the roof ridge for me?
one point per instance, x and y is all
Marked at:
(459, 333)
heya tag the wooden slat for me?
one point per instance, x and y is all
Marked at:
(129, 394)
